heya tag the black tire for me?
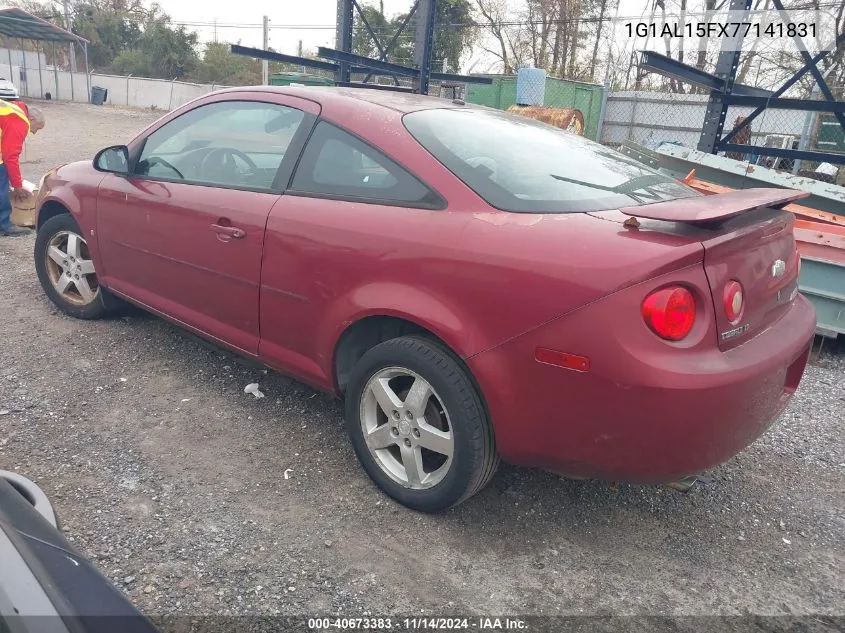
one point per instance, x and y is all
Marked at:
(55, 225)
(474, 460)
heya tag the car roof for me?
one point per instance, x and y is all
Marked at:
(328, 95)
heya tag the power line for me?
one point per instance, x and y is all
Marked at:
(389, 30)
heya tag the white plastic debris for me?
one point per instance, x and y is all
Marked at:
(254, 390)
(123, 379)
(186, 399)
(288, 471)
(827, 169)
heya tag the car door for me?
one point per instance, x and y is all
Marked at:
(183, 233)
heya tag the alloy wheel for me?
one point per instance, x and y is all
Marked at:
(70, 268)
(407, 428)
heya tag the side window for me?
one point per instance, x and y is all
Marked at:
(229, 143)
(337, 164)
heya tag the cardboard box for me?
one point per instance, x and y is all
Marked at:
(23, 213)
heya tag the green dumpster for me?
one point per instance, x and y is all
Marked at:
(286, 79)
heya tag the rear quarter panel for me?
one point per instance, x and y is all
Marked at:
(473, 278)
(473, 275)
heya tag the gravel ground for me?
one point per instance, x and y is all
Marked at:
(171, 479)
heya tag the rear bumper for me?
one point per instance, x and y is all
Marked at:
(645, 412)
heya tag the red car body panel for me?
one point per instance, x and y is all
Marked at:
(175, 262)
(493, 286)
(645, 411)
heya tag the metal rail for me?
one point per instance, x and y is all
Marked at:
(343, 62)
(725, 93)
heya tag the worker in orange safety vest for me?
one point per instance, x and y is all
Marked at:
(16, 121)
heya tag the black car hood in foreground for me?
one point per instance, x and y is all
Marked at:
(45, 585)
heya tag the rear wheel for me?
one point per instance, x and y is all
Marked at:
(418, 425)
(65, 268)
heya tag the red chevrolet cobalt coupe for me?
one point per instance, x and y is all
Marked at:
(473, 283)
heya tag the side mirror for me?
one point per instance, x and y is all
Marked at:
(114, 160)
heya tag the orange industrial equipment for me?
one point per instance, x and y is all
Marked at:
(568, 119)
(819, 234)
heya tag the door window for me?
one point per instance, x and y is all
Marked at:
(338, 165)
(231, 144)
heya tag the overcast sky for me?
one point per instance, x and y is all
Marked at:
(312, 21)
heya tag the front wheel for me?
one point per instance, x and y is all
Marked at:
(418, 426)
(65, 268)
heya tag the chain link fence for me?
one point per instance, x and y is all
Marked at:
(650, 119)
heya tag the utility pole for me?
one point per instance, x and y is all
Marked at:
(215, 30)
(265, 65)
(67, 28)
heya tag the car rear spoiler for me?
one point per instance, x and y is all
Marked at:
(718, 207)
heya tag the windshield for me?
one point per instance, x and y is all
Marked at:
(519, 164)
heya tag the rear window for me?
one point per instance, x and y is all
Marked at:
(519, 164)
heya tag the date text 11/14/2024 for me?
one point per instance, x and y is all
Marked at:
(418, 624)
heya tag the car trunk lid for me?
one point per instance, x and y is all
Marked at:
(747, 238)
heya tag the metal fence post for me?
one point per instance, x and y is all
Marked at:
(170, 104)
(72, 94)
(633, 116)
(717, 106)
(40, 76)
(55, 71)
(25, 81)
(87, 73)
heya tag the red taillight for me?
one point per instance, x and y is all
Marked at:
(733, 300)
(670, 312)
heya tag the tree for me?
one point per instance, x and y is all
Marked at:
(542, 16)
(362, 42)
(220, 66)
(454, 34)
(602, 6)
(108, 32)
(507, 38)
(161, 52)
(126, 36)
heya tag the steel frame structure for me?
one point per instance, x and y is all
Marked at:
(344, 63)
(19, 24)
(725, 93)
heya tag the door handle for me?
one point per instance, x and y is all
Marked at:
(228, 231)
